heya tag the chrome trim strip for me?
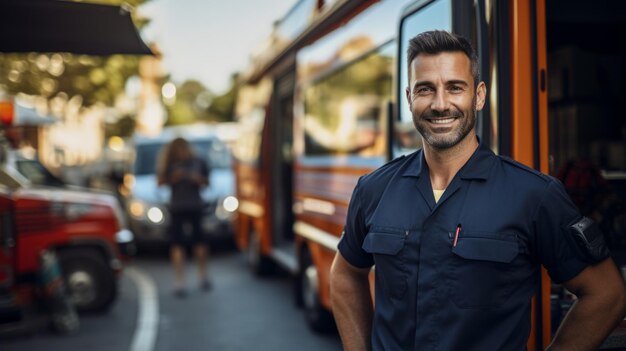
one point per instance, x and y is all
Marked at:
(317, 235)
(251, 209)
(319, 206)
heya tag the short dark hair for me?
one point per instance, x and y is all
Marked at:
(438, 41)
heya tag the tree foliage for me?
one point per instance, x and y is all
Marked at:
(223, 107)
(194, 102)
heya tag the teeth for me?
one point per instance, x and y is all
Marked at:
(442, 121)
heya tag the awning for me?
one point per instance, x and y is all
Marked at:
(64, 26)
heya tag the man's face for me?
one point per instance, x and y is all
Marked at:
(442, 98)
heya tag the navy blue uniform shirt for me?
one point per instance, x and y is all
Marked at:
(431, 295)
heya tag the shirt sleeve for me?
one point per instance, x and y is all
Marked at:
(555, 244)
(354, 233)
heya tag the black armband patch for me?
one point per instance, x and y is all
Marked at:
(590, 239)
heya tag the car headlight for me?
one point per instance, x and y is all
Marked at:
(141, 211)
(230, 204)
(155, 215)
(226, 208)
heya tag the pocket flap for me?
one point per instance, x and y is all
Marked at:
(383, 243)
(486, 249)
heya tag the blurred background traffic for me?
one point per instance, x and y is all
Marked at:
(90, 95)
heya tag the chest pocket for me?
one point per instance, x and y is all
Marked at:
(481, 269)
(391, 270)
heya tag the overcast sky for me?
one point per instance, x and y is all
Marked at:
(208, 40)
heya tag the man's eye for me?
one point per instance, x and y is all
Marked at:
(423, 91)
(455, 89)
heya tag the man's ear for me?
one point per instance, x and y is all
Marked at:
(407, 92)
(481, 94)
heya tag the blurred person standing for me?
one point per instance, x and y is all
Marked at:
(185, 174)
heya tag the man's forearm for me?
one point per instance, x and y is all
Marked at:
(587, 324)
(352, 308)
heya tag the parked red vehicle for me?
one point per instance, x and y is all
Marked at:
(85, 228)
(48, 231)
(20, 302)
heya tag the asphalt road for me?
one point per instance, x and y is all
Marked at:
(241, 312)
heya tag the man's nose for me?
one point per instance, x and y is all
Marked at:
(440, 102)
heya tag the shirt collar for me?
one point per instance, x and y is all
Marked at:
(477, 167)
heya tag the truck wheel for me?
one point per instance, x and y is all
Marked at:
(260, 264)
(91, 284)
(317, 316)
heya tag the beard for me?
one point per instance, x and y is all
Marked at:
(435, 137)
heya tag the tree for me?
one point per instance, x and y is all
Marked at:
(194, 102)
(223, 106)
(191, 104)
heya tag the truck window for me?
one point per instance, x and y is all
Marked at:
(37, 173)
(345, 110)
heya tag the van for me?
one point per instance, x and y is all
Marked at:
(147, 203)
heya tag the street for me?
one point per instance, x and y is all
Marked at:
(241, 312)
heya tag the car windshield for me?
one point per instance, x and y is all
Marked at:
(213, 152)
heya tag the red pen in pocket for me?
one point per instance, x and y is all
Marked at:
(456, 234)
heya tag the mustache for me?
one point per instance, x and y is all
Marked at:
(430, 114)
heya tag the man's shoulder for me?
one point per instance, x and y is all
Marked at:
(381, 176)
(522, 172)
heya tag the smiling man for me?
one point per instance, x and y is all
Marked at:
(458, 234)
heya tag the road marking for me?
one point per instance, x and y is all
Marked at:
(148, 317)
